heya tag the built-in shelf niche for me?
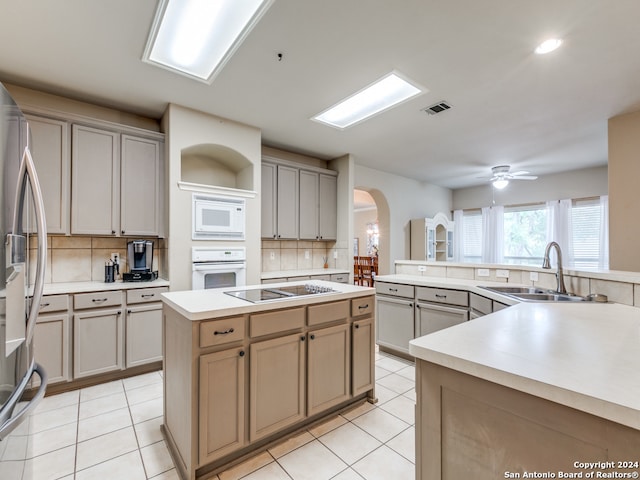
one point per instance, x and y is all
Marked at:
(216, 166)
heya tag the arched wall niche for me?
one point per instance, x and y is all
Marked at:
(216, 165)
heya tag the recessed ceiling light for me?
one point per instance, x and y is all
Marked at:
(548, 46)
(197, 37)
(381, 95)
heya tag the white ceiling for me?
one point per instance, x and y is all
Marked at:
(538, 113)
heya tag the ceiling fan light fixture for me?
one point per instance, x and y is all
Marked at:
(500, 183)
(548, 46)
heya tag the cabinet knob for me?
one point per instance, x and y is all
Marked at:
(128, 311)
(312, 337)
(122, 232)
(357, 326)
(274, 236)
(119, 312)
(302, 338)
(241, 353)
(113, 232)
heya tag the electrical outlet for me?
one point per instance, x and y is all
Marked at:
(306, 255)
(422, 268)
(533, 276)
(502, 273)
(335, 254)
(483, 272)
(115, 257)
(272, 255)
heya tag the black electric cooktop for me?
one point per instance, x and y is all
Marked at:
(265, 294)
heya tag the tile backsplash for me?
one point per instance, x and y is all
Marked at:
(82, 258)
(301, 255)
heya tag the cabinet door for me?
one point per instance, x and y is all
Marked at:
(288, 202)
(431, 243)
(276, 385)
(328, 207)
(97, 342)
(328, 368)
(394, 323)
(51, 346)
(140, 186)
(144, 334)
(49, 145)
(95, 185)
(221, 406)
(362, 356)
(268, 204)
(431, 318)
(309, 205)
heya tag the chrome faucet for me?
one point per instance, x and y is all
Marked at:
(546, 263)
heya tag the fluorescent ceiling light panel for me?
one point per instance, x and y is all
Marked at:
(197, 37)
(377, 97)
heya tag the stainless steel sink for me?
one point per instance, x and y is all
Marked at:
(533, 294)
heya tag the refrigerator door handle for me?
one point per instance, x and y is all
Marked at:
(28, 173)
(14, 421)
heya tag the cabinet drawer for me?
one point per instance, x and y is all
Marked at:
(143, 295)
(327, 312)
(395, 289)
(217, 332)
(274, 322)
(443, 295)
(321, 277)
(481, 304)
(340, 277)
(362, 306)
(97, 299)
(54, 303)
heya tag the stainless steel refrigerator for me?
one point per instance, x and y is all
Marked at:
(22, 229)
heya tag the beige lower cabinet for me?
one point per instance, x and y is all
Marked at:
(276, 384)
(98, 342)
(328, 368)
(221, 403)
(51, 346)
(144, 334)
(362, 356)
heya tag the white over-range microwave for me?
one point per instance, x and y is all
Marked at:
(218, 218)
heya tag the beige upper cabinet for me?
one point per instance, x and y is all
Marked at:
(269, 201)
(95, 181)
(49, 143)
(318, 206)
(288, 204)
(327, 207)
(115, 183)
(140, 186)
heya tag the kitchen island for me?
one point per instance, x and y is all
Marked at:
(240, 376)
(542, 388)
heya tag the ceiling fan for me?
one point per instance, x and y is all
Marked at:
(501, 176)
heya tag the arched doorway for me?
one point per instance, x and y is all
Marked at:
(371, 226)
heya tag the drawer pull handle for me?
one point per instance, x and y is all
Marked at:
(99, 300)
(226, 332)
(393, 289)
(145, 295)
(440, 296)
(42, 305)
(362, 307)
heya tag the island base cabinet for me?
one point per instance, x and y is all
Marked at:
(362, 354)
(467, 427)
(328, 368)
(97, 340)
(277, 384)
(221, 406)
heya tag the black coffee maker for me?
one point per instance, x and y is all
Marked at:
(140, 257)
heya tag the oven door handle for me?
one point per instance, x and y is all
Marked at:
(201, 267)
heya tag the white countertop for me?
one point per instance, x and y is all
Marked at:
(582, 355)
(302, 273)
(82, 287)
(205, 304)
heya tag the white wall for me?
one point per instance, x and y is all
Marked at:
(588, 182)
(406, 199)
(360, 220)
(186, 128)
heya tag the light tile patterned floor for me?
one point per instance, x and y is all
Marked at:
(112, 431)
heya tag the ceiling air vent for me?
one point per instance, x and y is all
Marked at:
(437, 108)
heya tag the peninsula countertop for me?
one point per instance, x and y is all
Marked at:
(581, 355)
(205, 304)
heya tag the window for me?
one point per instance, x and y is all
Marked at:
(586, 234)
(472, 236)
(525, 232)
